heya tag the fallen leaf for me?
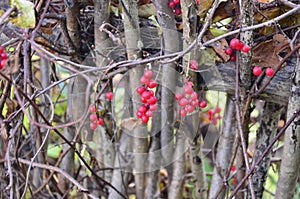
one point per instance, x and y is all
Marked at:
(26, 13)
(218, 46)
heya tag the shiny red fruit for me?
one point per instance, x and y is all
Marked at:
(194, 64)
(256, 70)
(245, 48)
(152, 100)
(218, 109)
(178, 96)
(93, 117)
(148, 113)
(172, 4)
(148, 74)
(152, 83)
(92, 109)
(233, 58)
(4, 55)
(142, 109)
(153, 107)
(270, 72)
(202, 104)
(1, 49)
(145, 118)
(183, 112)
(93, 126)
(144, 80)
(176, 2)
(109, 95)
(228, 51)
(183, 102)
(194, 96)
(178, 11)
(210, 112)
(140, 89)
(100, 121)
(234, 43)
(188, 89)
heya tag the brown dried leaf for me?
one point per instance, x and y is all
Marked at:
(130, 123)
(266, 54)
(218, 46)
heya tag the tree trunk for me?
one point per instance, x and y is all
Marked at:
(290, 164)
(225, 145)
(265, 134)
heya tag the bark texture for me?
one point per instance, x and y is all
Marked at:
(265, 134)
(290, 164)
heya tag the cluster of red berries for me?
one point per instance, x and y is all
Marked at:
(194, 64)
(3, 57)
(94, 119)
(236, 44)
(258, 70)
(175, 5)
(147, 97)
(214, 115)
(188, 100)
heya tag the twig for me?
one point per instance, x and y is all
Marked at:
(60, 171)
(239, 122)
(6, 14)
(9, 170)
(266, 151)
(63, 137)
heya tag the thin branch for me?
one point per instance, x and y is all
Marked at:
(60, 171)
(6, 14)
(266, 151)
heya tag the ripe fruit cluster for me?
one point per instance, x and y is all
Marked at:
(214, 115)
(258, 70)
(236, 44)
(188, 100)
(3, 57)
(147, 97)
(175, 5)
(95, 120)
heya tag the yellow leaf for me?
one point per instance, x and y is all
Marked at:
(26, 14)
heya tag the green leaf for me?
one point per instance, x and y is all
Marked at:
(26, 14)
(156, 24)
(54, 151)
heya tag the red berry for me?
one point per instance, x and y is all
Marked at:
(178, 11)
(4, 55)
(189, 83)
(195, 102)
(145, 118)
(152, 100)
(178, 96)
(188, 89)
(139, 114)
(270, 72)
(194, 96)
(109, 95)
(146, 94)
(142, 99)
(197, 1)
(245, 48)
(93, 109)
(183, 102)
(1, 49)
(172, 4)
(152, 83)
(93, 117)
(218, 109)
(148, 74)
(3, 63)
(153, 107)
(142, 109)
(210, 112)
(256, 70)
(93, 126)
(100, 121)
(194, 64)
(140, 89)
(144, 80)
(234, 43)
(183, 112)
(176, 1)
(189, 108)
(148, 113)
(233, 58)
(239, 46)
(202, 104)
(228, 51)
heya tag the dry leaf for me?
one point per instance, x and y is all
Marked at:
(267, 53)
(130, 123)
(218, 46)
